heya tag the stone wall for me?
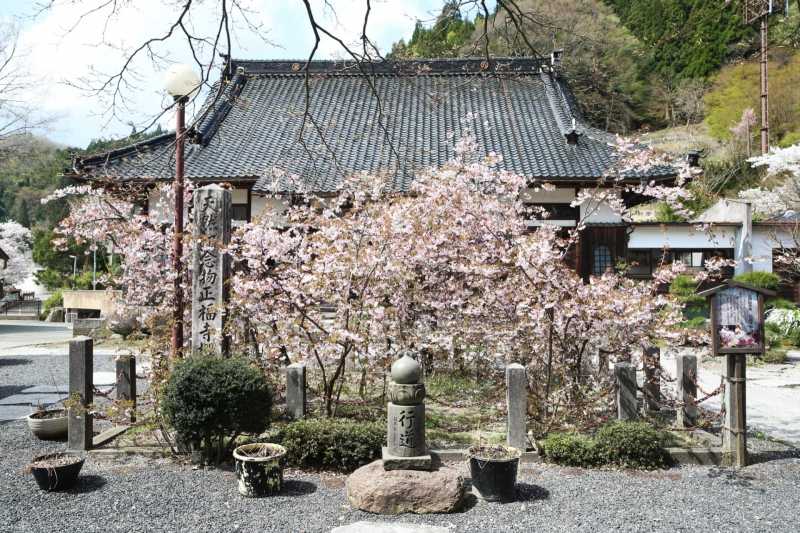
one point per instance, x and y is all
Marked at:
(87, 326)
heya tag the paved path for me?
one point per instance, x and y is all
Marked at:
(16, 333)
(773, 396)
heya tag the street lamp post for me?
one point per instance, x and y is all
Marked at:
(181, 83)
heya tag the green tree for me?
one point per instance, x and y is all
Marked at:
(444, 39)
(23, 217)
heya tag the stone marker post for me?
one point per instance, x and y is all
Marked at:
(296, 390)
(625, 394)
(516, 404)
(734, 426)
(651, 385)
(406, 413)
(213, 210)
(126, 388)
(686, 364)
(81, 368)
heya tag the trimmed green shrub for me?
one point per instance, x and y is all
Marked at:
(779, 303)
(684, 288)
(630, 445)
(210, 400)
(759, 278)
(775, 357)
(331, 443)
(697, 322)
(570, 450)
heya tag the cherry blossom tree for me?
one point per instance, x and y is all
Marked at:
(15, 240)
(448, 269)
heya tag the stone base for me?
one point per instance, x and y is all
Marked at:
(375, 490)
(393, 462)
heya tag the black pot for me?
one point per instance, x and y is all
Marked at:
(57, 477)
(494, 480)
(259, 476)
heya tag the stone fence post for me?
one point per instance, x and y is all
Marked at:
(81, 369)
(625, 394)
(516, 404)
(126, 388)
(686, 389)
(651, 384)
(296, 390)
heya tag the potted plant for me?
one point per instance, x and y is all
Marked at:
(56, 470)
(259, 469)
(48, 424)
(493, 470)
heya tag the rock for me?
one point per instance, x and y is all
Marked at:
(122, 324)
(375, 490)
(383, 527)
(117, 337)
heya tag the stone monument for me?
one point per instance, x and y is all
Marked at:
(406, 433)
(406, 480)
(211, 268)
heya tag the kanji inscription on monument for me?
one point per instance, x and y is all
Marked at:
(212, 230)
(737, 318)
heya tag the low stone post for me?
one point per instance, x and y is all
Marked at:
(296, 390)
(516, 404)
(687, 415)
(734, 398)
(651, 385)
(81, 368)
(126, 388)
(625, 395)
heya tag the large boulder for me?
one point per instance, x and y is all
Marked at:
(123, 324)
(375, 490)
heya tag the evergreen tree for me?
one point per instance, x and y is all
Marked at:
(23, 217)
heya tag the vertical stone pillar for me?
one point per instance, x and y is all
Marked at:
(516, 404)
(81, 370)
(126, 388)
(406, 413)
(627, 406)
(651, 385)
(296, 390)
(213, 211)
(734, 398)
(686, 365)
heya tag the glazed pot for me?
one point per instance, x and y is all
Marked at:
(259, 469)
(49, 428)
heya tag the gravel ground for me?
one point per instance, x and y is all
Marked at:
(138, 494)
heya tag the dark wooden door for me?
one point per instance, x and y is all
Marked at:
(601, 247)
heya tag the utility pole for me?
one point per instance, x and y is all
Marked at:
(760, 10)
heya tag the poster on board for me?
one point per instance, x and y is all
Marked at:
(737, 318)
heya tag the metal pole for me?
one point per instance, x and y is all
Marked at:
(94, 267)
(177, 308)
(764, 94)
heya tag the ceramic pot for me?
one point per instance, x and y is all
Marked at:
(259, 476)
(49, 428)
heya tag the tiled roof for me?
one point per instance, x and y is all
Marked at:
(524, 111)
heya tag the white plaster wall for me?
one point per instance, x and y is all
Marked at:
(765, 239)
(562, 223)
(682, 237)
(165, 211)
(600, 212)
(262, 205)
(541, 196)
(240, 196)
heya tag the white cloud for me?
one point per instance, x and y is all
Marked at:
(65, 48)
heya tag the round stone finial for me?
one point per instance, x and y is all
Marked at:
(406, 370)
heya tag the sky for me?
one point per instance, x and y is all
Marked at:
(74, 38)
